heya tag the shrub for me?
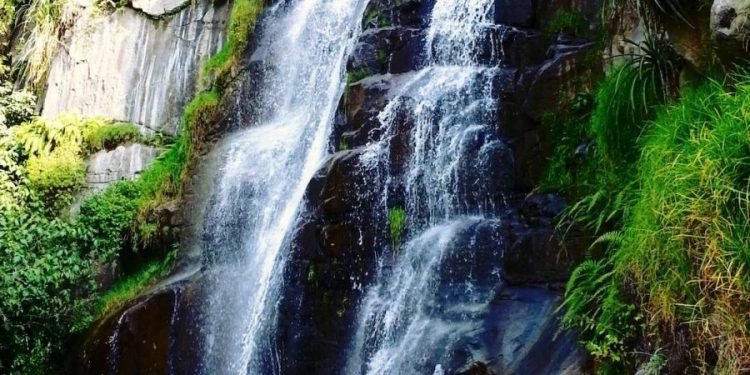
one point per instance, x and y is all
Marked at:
(44, 273)
(684, 242)
(16, 107)
(56, 176)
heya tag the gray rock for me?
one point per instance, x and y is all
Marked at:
(730, 26)
(158, 8)
(129, 67)
(122, 163)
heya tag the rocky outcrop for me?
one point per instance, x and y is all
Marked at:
(730, 27)
(159, 8)
(334, 251)
(126, 66)
(153, 334)
(123, 163)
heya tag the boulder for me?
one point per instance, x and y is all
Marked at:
(152, 334)
(730, 27)
(123, 163)
(159, 8)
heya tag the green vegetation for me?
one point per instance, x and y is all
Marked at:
(43, 22)
(374, 18)
(570, 23)
(396, 224)
(664, 184)
(219, 68)
(16, 107)
(134, 285)
(49, 262)
(357, 75)
(109, 137)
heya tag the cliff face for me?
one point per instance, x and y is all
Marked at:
(136, 64)
(132, 66)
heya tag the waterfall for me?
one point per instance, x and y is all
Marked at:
(266, 168)
(431, 293)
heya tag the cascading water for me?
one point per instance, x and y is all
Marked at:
(428, 301)
(266, 169)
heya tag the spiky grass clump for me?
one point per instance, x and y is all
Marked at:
(43, 23)
(684, 247)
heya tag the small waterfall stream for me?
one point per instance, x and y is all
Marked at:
(430, 295)
(266, 168)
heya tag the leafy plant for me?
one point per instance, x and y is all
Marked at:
(16, 107)
(358, 74)
(396, 224)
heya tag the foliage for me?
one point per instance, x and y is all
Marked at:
(626, 98)
(692, 217)
(374, 18)
(134, 285)
(357, 75)
(570, 23)
(47, 273)
(111, 136)
(56, 176)
(396, 224)
(43, 270)
(595, 307)
(680, 250)
(16, 107)
(43, 23)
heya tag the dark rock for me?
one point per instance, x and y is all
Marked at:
(522, 335)
(542, 205)
(332, 256)
(153, 334)
(520, 13)
(555, 79)
(388, 50)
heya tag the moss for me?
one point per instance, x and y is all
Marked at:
(396, 224)
(110, 136)
(134, 285)
(375, 18)
(242, 21)
(357, 75)
(570, 23)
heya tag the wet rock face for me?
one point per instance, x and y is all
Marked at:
(154, 334)
(123, 163)
(332, 257)
(127, 66)
(335, 249)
